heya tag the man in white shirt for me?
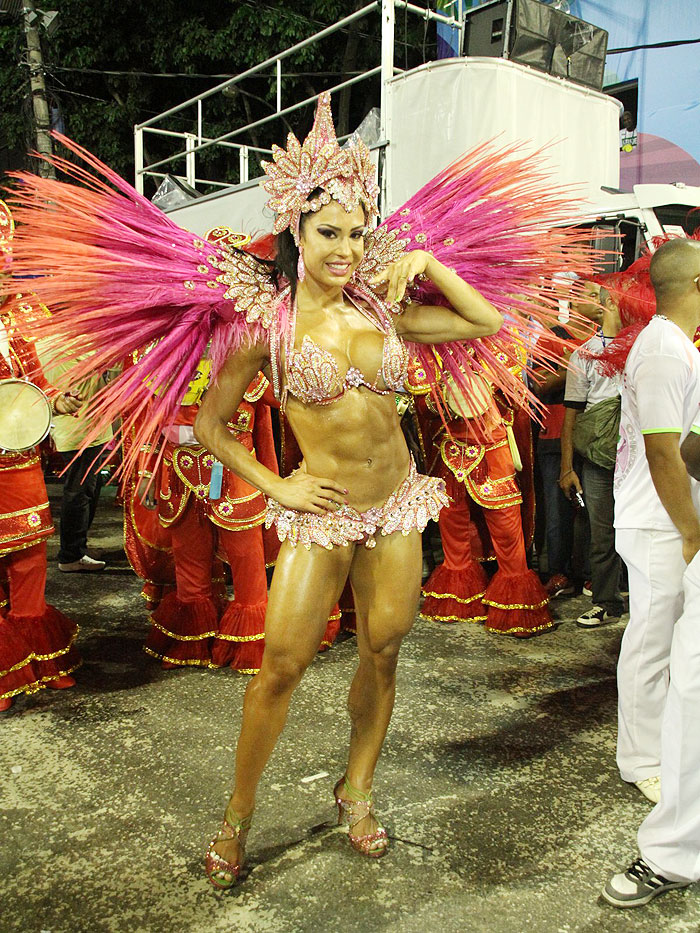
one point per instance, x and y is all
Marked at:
(669, 838)
(656, 520)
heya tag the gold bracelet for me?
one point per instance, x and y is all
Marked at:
(144, 474)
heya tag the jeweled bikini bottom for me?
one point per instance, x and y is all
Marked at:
(415, 501)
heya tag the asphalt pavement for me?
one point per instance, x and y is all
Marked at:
(498, 787)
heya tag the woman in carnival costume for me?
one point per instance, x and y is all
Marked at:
(489, 516)
(37, 647)
(195, 624)
(332, 321)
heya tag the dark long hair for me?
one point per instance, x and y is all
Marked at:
(287, 258)
(287, 252)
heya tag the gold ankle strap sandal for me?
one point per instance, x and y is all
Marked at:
(353, 811)
(222, 873)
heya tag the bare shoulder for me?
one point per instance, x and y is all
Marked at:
(253, 354)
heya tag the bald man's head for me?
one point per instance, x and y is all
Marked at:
(673, 267)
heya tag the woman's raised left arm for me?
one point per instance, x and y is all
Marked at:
(470, 315)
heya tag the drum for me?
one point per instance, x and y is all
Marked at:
(25, 415)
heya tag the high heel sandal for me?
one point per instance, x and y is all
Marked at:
(223, 874)
(351, 812)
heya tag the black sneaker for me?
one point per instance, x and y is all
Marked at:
(637, 886)
(595, 617)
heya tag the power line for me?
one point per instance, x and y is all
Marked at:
(101, 100)
(654, 45)
(190, 74)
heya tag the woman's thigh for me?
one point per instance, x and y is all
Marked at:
(305, 586)
(386, 586)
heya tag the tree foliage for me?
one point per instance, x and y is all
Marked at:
(99, 110)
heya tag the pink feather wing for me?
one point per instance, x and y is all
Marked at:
(124, 282)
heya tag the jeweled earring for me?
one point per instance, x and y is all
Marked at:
(301, 268)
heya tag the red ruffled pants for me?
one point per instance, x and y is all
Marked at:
(194, 626)
(514, 602)
(36, 640)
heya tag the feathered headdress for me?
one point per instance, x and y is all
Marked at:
(344, 175)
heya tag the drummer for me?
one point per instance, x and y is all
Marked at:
(36, 640)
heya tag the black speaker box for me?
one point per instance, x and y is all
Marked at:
(535, 34)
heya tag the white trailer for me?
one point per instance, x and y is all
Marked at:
(429, 116)
(440, 110)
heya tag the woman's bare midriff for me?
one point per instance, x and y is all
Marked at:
(356, 441)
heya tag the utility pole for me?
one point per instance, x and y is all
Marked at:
(42, 120)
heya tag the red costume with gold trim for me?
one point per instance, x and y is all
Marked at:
(195, 624)
(480, 476)
(36, 640)
(147, 543)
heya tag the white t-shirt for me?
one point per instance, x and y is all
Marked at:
(585, 385)
(660, 394)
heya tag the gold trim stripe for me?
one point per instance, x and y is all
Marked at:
(458, 599)
(490, 602)
(42, 657)
(451, 618)
(21, 465)
(34, 508)
(240, 637)
(45, 533)
(255, 522)
(130, 493)
(170, 520)
(38, 685)
(179, 661)
(182, 637)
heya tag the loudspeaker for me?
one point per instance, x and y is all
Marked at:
(484, 32)
(535, 34)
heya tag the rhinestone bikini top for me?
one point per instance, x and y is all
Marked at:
(312, 373)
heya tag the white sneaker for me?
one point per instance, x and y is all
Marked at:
(650, 787)
(84, 565)
(637, 886)
(595, 617)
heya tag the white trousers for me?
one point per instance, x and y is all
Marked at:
(655, 564)
(669, 838)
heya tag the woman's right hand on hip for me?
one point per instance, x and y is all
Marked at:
(307, 493)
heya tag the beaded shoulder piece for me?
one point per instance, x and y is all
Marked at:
(248, 283)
